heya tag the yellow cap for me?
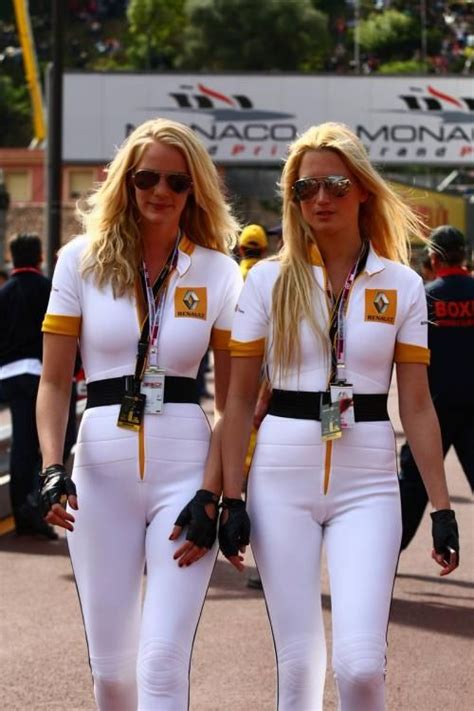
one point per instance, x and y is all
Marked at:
(253, 236)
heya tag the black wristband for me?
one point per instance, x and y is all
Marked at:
(204, 496)
(229, 503)
(53, 469)
(443, 516)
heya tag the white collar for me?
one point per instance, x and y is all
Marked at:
(374, 263)
(186, 248)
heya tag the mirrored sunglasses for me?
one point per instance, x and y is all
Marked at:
(307, 188)
(146, 179)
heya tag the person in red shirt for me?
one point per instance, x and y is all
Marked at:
(450, 339)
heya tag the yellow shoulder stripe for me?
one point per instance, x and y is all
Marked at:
(220, 339)
(62, 325)
(243, 349)
(407, 353)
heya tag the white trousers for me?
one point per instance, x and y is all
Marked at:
(358, 521)
(139, 655)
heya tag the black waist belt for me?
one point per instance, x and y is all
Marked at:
(112, 390)
(303, 405)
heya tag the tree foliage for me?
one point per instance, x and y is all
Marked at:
(389, 34)
(245, 35)
(156, 30)
(409, 66)
(15, 111)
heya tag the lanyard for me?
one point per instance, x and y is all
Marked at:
(337, 326)
(155, 300)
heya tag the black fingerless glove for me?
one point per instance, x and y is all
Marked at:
(202, 529)
(445, 532)
(235, 532)
(55, 487)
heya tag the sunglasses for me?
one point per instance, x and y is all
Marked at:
(307, 188)
(146, 179)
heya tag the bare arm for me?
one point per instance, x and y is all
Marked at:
(52, 407)
(421, 427)
(213, 474)
(189, 552)
(52, 410)
(238, 420)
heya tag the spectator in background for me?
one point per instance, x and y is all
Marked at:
(451, 375)
(253, 244)
(426, 270)
(3, 280)
(23, 302)
(201, 384)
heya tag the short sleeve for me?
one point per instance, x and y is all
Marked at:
(251, 319)
(412, 335)
(221, 329)
(64, 313)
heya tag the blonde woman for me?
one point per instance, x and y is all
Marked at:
(330, 315)
(145, 290)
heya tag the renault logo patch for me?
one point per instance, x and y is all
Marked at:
(190, 302)
(381, 305)
(381, 302)
(191, 299)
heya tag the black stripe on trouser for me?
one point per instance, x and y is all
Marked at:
(304, 405)
(112, 390)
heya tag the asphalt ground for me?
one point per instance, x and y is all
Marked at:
(43, 654)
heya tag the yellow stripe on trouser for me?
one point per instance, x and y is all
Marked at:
(250, 451)
(141, 450)
(327, 466)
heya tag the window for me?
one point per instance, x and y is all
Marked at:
(80, 182)
(18, 184)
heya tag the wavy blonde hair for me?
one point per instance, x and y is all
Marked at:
(384, 219)
(111, 219)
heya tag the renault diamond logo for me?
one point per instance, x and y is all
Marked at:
(191, 299)
(381, 302)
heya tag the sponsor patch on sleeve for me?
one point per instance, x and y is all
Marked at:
(381, 305)
(190, 302)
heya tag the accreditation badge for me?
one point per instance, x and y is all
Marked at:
(153, 388)
(131, 412)
(330, 422)
(343, 396)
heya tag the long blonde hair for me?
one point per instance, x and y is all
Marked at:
(111, 219)
(384, 219)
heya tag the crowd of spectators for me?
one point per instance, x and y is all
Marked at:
(453, 22)
(456, 21)
(99, 36)
(92, 20)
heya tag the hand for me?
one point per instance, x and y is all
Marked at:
(200, 516)
(57, 489)
(234, 531)
(445, 540)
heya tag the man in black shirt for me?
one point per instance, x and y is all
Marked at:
(451, 372)
(23, 302)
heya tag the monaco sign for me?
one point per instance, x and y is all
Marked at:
(251, 119)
